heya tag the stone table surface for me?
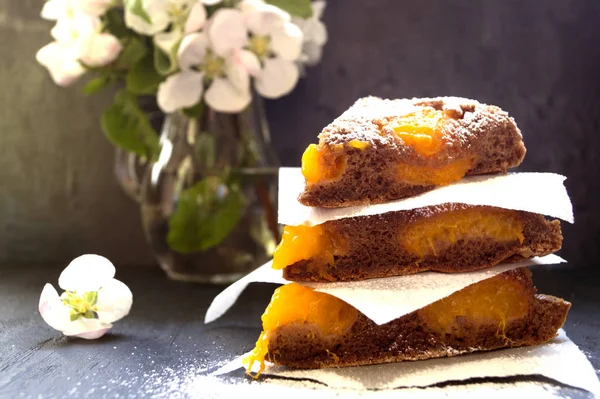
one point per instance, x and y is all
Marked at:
(163, 349)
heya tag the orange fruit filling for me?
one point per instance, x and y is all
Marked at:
(497, 300)
(421, 130)
(433, 235)
(494, 301)
(308, 242)
(322, 164)
(294, 303)
(424, 175)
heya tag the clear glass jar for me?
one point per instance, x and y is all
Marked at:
(208, 202)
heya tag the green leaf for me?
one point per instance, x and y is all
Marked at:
(206, 214)
(128, 127)
(114, 23)
(136, 7)
(133, 52)
(165, 64)
(142, 78)
(206, 148)
(96, 84)
(195, 111)
(296, 8)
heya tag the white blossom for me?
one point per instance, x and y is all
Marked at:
(186, 16)
(57, 9)
(92, 299)
(78, 39)
(314, 32)
(275, 45)
(212, 58)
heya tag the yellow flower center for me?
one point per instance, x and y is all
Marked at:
(179, 13)
(260, 45)
(213, 66)
(81, 305)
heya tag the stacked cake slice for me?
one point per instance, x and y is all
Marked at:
(389, 150)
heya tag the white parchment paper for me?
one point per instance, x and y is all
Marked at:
(559, 360)
(542, 193)
(382, 299)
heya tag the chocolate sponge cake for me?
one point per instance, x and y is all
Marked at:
(381, 150)
(448, 238)
(306, 329)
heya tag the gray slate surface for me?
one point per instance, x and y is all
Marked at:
(162, 349)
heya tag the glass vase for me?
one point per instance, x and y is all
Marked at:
(208, 202)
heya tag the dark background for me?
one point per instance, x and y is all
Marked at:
(539, 60)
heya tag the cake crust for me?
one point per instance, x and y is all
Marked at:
(408, 338)
(374, 250)
(474, 130)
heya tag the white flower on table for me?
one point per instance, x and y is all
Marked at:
(79, 41)
(274, 46)
(213, 57)
(315, 34)
(93, 299)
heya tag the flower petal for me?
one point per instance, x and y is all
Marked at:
(87, 328)
(114, 301)
(93, 334)
(222, 96)
(311, 53)
(237, 73)
(248, 6)
(287, 42)
(196, 18)
(318, 7)
(211, 2)
(101, 50)
(61, 63)
(182, 90)
(96, 7)
(249, 60)
(54, 9)
(277, 78)
(227, 31)
(86, 273)
(53, 311)
(263, 19)
(157, 10)
(192, 50)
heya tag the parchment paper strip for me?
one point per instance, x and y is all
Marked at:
(559, 360)
(542, 193)
(381, 300)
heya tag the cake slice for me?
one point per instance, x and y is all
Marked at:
(446, 238)
(306, 329)
(381, 150)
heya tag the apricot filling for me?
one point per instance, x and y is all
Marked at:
(294, 303)
(421, 130)
(431, 236)
(426, 175)
(322, 164)
(308, 242)
(494, 302)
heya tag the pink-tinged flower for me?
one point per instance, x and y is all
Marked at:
(61, 62)
(93, 299)
(212, 59)
(275, 45)
(314, 32)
